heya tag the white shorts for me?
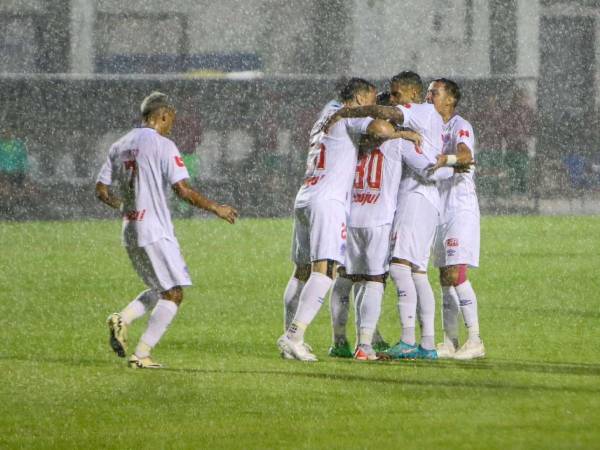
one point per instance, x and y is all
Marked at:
(457, 240)
(415, 222)
(160, 265)
(319, 232)
(368, 250)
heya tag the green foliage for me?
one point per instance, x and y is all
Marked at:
(226, 386)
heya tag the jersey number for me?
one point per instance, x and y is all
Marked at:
(369, 171)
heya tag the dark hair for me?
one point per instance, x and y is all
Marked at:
(408, 78)
(452, 88)
(353, 87)
(153, 102)
(383, 98)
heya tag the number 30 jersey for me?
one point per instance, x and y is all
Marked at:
(377, 182)
(145, 165)
(331, 163)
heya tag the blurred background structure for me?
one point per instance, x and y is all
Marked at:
(249, 77)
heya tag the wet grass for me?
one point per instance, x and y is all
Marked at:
(226, 387)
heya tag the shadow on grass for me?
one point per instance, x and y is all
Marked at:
(404, 381)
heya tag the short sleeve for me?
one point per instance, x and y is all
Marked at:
(465, 135)
(172, 164)
(407, 112)
(105, 175)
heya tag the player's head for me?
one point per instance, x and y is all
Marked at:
(406, 87)
(358, 92)
(158, 112)
(444, 94)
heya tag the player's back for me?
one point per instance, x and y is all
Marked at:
(331, 163)
(423, 118)
(458, 192)
(376, 184)
(145, 164)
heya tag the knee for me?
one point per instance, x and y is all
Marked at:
(453, 275)
(174, 295)
(302, 273)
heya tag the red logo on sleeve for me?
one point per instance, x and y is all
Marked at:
(407, 105)
(463, 133)
(179, 161)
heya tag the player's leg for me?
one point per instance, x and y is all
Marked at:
(118, 323)
(426, 310)
(327, 248)
(162, 315)
(457, 277)
(462, 252)
(339, 303)
(162, 268)
(450, 309)
(291, 295)
(401, 274)
(450, 314)
(371, 295)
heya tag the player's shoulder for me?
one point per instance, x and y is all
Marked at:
(459, 124)
(392, 148)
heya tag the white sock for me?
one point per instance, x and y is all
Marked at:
(143, 303)
(311, 300)
(370, 309)
(356, 290)
(468, 307)
(339, 304)
(450, 310)
(159, 321)
(407, 300)
(426, 302)
(290, 300)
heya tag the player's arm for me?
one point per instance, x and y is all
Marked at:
(104, 194)
(382, 130)
(390, 113)
(461, 161)
(185, 192)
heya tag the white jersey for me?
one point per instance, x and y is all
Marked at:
(331, 163)
(316, 131)
(424, 119)
(458, 192)
(145, 165)
(376, 183)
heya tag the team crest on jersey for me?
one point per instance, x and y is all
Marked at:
(463, 133)
(445, 138)
(452, 242)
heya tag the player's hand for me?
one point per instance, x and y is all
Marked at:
(464, 168)
(227, 213)
(441, 162)
(411, 135)
(336, 117)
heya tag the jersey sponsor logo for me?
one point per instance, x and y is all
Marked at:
(134, 215)
(452, 242)
(179, 161)
(365, 198)
(463, 133)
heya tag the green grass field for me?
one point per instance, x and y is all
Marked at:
(226, 386)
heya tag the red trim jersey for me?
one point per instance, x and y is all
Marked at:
(145, 165)
(458, 192)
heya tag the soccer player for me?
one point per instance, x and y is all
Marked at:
(145, 163)
(320, 211)
(417, 214)
(456, 245)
